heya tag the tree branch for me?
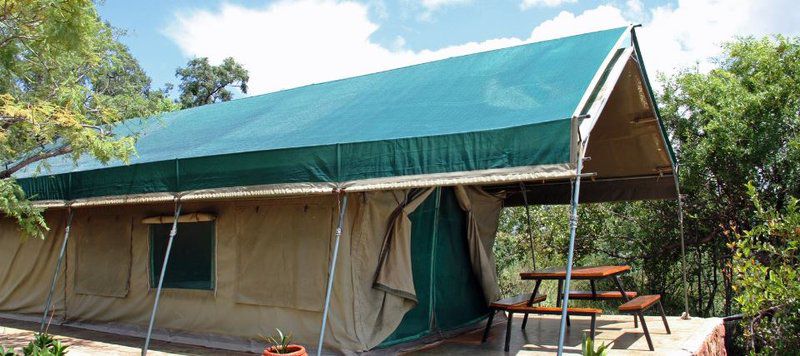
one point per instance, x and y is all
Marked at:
(7, 121)
(35, 158)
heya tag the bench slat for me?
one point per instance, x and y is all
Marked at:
(582, 294)
(640, 303)
(554, 310)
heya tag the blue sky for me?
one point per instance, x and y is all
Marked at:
(290, 43)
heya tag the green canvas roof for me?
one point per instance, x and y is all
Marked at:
(499, 109)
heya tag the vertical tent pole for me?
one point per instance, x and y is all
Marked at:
(342, 209)
(172, 233)
(685, 315)
(573, 225)
(524, 190)
(58, 270)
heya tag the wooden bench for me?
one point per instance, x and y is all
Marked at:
(637, 306)
(601, 295)
(591, 312)
(504, 304)
(582, 294)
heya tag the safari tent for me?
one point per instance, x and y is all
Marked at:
(357, 213)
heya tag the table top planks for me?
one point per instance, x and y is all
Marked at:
(595, 272)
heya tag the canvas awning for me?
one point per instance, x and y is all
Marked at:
(507, 115)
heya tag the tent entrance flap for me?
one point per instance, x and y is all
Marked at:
(440, 256)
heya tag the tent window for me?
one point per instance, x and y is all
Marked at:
(191, 262)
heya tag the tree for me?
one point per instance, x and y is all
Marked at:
(766, 264)
(203, 83)
(65, 81)
(736, 124)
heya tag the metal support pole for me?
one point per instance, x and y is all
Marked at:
(685, 315)
(58, 270)
(339, 229)
(524, 190)
(573, 225)
(172, 234)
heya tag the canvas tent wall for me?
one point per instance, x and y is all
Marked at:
(518, 114)
(271, 258)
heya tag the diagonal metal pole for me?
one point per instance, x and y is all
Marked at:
(339, 229)
(685, 315)
(524, 190)
(58, 270)
(172, 234)
(573, 225)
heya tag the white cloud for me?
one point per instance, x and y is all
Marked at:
(691, 32)
(293, 43)
(635, 7)
(432, 6)
(684, 34)
(436, 4)
(398, 43)
(567, 23)
(289, 44)
(527, 4)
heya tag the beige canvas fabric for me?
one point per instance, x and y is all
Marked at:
(483, 214)
(104, 254)
(27, 266)
(394, 264)
(282, 254)
(255, 291)
(378, 311)
(184, 218)
(216, 312)
(626, 140)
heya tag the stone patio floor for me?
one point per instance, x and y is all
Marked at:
(696, 336)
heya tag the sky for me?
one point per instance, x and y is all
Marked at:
(290, 43)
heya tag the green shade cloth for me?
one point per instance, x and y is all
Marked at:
(449, 295)
(498, 109)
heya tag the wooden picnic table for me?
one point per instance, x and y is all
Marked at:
(592, 274)
(584, 273)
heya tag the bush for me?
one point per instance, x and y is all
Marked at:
(766, 262)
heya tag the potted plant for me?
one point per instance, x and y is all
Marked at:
(587, 347)
(281, 344)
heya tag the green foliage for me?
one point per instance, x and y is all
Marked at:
(736, 124)
(43, 344)
(280, 342)
(766, 264)
(14, 206)
(203, 83)
(587, 347)
(65, 81)
(512, 247)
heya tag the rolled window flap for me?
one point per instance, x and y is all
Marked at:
(185, 218)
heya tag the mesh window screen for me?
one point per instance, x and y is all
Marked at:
(191, 261)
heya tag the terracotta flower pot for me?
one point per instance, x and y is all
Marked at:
(293, 350)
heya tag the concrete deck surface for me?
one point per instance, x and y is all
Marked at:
(17, 334)
(689, 337)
